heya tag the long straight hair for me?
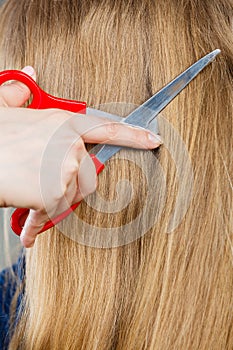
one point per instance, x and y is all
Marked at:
(110, 278)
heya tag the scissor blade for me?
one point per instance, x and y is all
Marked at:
(146, 112)
(152, 107)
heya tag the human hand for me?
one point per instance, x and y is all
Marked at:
(43, 159)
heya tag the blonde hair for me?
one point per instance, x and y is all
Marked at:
(170, 286)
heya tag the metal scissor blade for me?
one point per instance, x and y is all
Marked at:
(146, 112)
(152, 107)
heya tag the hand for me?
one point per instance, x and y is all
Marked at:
(43, 159)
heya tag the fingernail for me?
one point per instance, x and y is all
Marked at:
(155, 139)
(29, 70)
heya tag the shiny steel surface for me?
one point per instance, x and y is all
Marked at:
(144, 114)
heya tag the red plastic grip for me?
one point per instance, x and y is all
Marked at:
(20, 215)
(42, 100)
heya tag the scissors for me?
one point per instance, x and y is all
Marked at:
(141, 116)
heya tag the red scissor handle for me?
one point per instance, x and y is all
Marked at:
(20, 215)
(42, 100)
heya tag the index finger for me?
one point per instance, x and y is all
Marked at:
(101, 130)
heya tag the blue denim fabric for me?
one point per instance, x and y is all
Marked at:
(9, 280)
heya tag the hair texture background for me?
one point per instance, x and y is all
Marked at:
(162, 291)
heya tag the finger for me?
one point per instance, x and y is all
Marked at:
(101, 130)
(86, 176)
(15, 94)
(34, 223)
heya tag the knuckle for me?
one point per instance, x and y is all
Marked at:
(112, 130)
(79, 145)
(72, 169)
(70, 175)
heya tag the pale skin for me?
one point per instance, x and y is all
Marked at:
(44, 164)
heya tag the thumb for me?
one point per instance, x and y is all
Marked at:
(34, 223)
(15, 94)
